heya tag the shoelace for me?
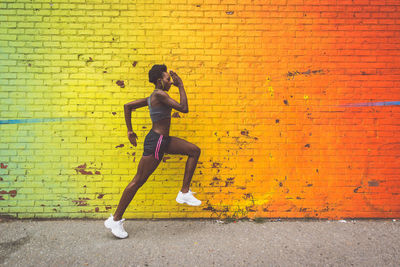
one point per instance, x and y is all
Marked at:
(121, 221)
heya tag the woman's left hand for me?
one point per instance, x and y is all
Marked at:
(177, 80)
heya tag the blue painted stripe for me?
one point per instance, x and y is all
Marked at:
(388, 103)
(16, 121)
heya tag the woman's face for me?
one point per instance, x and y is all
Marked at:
(166, 81)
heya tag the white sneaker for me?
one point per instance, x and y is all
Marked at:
(187, 198)
(116, 227)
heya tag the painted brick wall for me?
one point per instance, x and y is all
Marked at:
(294, 103)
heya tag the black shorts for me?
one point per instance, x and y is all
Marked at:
(155, 144)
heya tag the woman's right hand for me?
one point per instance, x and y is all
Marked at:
(132, 138)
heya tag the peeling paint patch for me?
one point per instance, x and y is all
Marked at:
(96, 209)
(121, 145)
(291, 75)
(89, 60)
(271, 91)
(356, 190)
(81, 201)
(3, 166)
(100, 196)
(216, 165)
(229, 181)
(230, 12)
(216, 181)
(12, 193)
(120, 83)
(373, 183)
(248, 196)
(210, 208)
(82, 170)
(134, 63)
(245, 132)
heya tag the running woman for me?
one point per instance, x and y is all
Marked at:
(157, 142)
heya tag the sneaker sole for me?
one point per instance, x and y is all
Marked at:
(185, 202)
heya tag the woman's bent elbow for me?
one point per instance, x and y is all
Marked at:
(127, 108)
(185, 109)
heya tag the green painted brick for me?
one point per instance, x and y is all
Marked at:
(16, 209)
(25, 203)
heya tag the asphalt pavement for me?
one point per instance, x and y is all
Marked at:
(201, 243)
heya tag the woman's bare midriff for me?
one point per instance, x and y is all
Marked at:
(162, 126)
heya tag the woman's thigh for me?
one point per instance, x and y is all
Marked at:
(147, 165)
(179, 146)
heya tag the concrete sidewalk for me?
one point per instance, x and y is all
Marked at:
(201, 243)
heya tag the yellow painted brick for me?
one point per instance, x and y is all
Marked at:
(15, 5)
